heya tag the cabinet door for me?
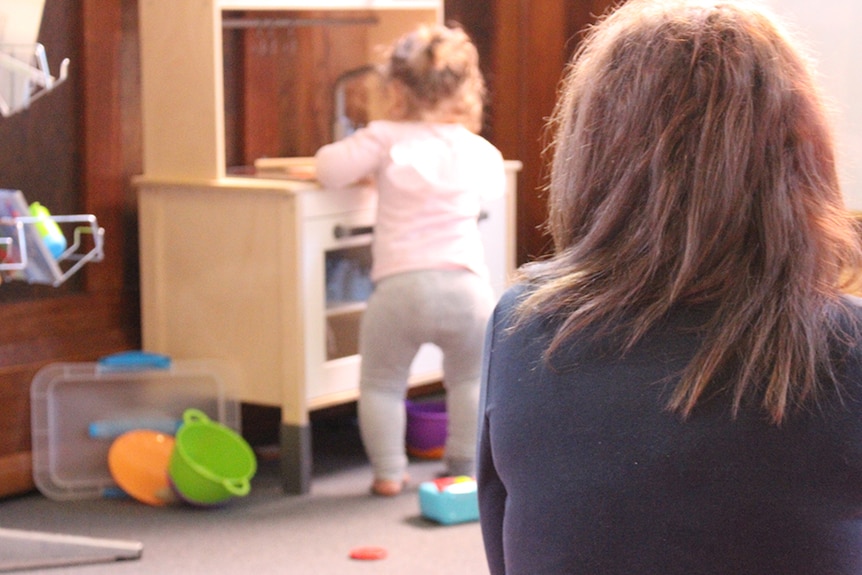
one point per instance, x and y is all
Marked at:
(336, 265)
(336, 285)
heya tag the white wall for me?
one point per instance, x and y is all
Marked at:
(833, 32)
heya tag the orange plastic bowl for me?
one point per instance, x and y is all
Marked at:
(138, 461)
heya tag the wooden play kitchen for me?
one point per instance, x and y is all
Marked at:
(266, 270)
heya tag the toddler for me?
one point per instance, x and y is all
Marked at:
(432, 172)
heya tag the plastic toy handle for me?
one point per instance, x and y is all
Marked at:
(113, 428)
(193, 415)
(238, 487)
(134, 361)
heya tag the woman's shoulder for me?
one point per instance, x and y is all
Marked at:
(513, 294)
(845, 325)
(853, 303)
(508, 305)
(847, 318)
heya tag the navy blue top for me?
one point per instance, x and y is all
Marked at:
(583, 470)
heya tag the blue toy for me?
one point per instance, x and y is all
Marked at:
(449, 500)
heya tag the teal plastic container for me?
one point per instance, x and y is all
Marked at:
(449, 500)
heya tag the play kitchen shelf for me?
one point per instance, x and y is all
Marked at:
(268, 269)
(182, 69)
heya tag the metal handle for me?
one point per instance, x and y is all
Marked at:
(340, 231)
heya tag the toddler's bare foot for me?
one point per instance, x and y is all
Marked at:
(387, 487)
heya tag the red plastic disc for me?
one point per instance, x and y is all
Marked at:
(368, 553)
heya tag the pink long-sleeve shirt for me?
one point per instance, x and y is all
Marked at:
(431, 182)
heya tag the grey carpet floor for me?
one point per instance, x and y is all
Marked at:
(268, 532)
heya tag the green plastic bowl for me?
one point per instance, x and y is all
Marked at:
(210, 463)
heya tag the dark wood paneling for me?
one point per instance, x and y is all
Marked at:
(88, 126)
(533, 40)
(477, 19)
(527, 67)
(287, 76)
(39, 154)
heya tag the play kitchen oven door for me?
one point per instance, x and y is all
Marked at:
(337, 234)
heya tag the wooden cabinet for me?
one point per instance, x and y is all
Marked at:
(245, 268)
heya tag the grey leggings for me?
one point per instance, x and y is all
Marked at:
(449, 308)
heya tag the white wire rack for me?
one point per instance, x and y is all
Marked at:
(25, 76)
(24, 254)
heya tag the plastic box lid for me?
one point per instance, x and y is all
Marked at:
(78, 409)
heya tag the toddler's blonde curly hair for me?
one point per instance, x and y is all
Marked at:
(432, 74)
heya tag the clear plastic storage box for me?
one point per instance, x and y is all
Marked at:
(78, 409)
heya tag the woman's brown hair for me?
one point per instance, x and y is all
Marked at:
(693, 163)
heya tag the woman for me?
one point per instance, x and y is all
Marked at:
(678, 389)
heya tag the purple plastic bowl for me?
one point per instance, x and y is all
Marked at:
(426, 425)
